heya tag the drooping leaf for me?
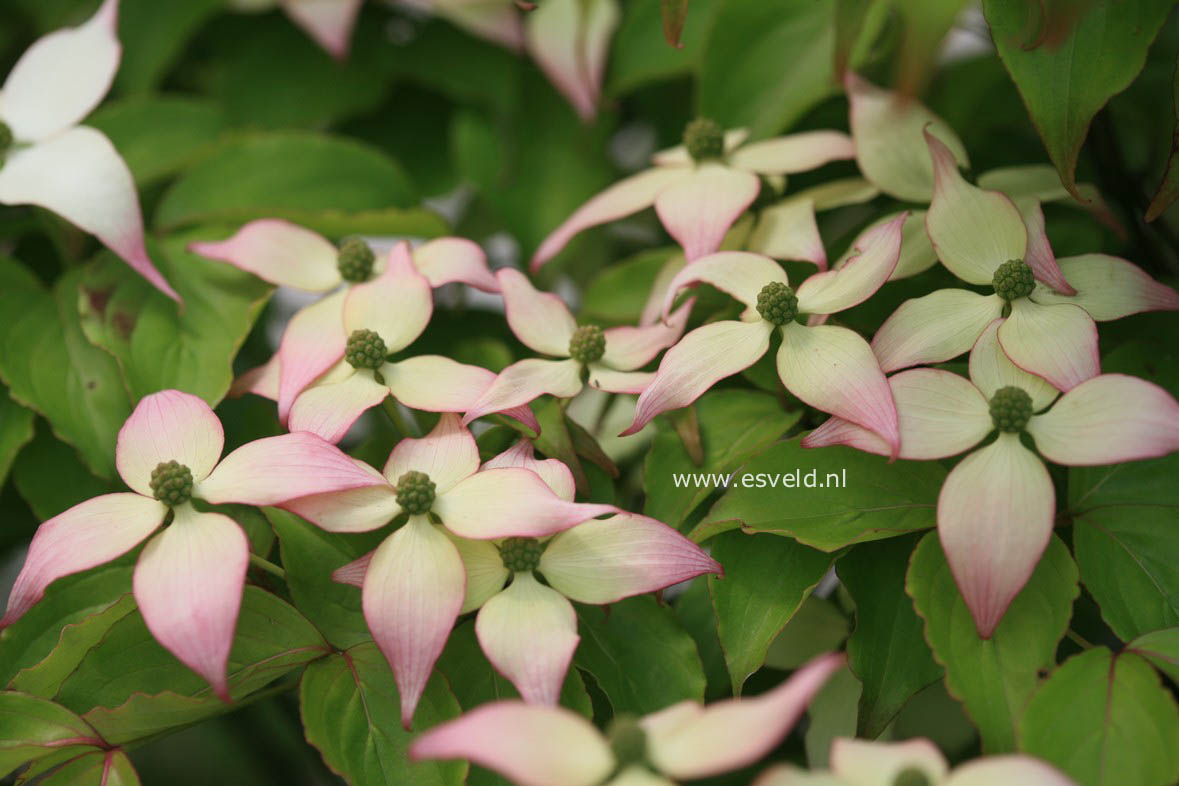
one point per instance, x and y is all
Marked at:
(826, 498)
(993, 678)
(925, 24)
(51, 368)
(734, 425)
(675, 13)
(817, 627)
(1066, 84)
(640, 656)
(160, 135)
(159, 346)
(309, 556)
(129, 686)
(16, 431)
(32, 727)
(1123, 534)
(639, 54)
(693, 608)
(1104, 719)
(831, 714)
(887, 650)
(320, 181)
(766, 580)
(350, 710)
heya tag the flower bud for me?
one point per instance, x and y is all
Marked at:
(171, 483)
(1013, 279)
(415, 492)
(705, 139)
(911, 776)
(521, 555)
(588, 344)
(628, 741)
(365, 349)
(1011, 409)
(355, 260)
(777, 303)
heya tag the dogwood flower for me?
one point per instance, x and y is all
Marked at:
(830, 368)
(916, 762)
(315, 338)
(47, 159)
(415, 583)
(188, 579)
(996, 508)
(702, 186)
(982, 238)
(537, 745)
(606, 358)
(528, 630)
(329, 23)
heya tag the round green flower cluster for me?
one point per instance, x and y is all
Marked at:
(705, 139)
(1013, 279)
(355, 260)
(911, 776)
(365, 349)
(171, 483)
(1011, 409)
(415, 492)
(521, 554)
(588, 344)
(777, 303)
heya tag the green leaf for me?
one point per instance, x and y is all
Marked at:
(309, 90)
(68, 601)
(50, 477)
(1063, 86)
(158, 345)
(618, 294)
(693, 608)
(16, 431)
(993, 678)
(309, 556)
(817, 627)
(873, 500)
(639, 54)
(78, 638)
(160, 135)
(887, 650)
(766, 580)
(303, 177)
(351, 712)
(675, 13)
(831, 714)
(1123, 523)
(153, 35)
(129, 686)
(1161, 648)
(51, 368)
(101, 768)
(640, 656)
(32, 727)
(1105, 720)
(744, 79)
(734, 425)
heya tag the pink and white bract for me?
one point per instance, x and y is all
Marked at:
(996, 509)
(415, 582)
(863, 763)
(315, 338)
(1051, 330)
(188, 580)
(47, 159)
(552, 746)
(830, 368)
(698, 201)
(543, 322)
